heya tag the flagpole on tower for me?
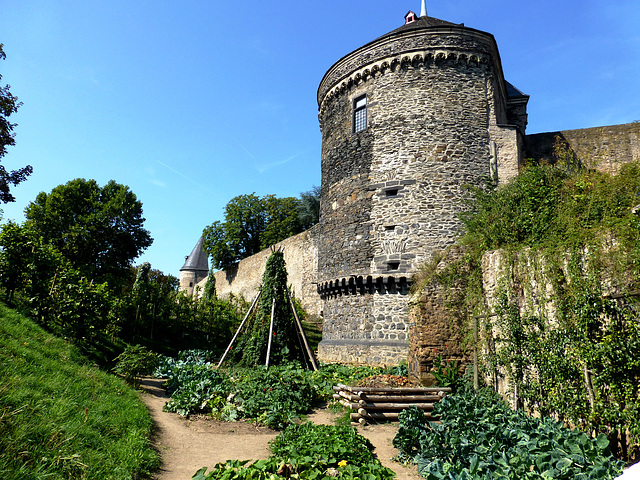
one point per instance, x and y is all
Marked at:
(423, 10)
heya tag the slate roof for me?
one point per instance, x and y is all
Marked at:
(198, 260)
(423, 22)
(513, 92)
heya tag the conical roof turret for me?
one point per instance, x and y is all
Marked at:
(198, 260)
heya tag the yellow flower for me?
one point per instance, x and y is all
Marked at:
(342, 463)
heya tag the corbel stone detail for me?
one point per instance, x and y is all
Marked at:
(363, 285)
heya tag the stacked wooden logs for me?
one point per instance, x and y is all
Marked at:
(385, 403)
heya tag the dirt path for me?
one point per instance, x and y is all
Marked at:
(187, 445)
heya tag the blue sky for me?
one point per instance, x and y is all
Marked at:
(191, 103)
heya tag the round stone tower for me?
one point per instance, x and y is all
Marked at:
(407, 121)
(195, 268)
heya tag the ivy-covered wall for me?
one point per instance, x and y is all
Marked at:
(438, 329)
(550, 276)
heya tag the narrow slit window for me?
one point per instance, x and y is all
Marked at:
(360, 114)
(391, 192)
(390, 228)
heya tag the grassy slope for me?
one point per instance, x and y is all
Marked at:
(61, 418)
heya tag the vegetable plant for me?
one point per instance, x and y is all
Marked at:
(308, 451)
(480, 437)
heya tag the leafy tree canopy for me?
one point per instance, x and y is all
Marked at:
(99, 230)
(8, 105)
(309, 207)
(254, 223)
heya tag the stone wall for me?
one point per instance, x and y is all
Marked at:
(391, 194)
(438, 328)
(300, 255)
(602, 148)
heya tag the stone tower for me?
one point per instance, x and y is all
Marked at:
(407, 121)
(195, 268)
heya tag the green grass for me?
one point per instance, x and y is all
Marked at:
(60, 417)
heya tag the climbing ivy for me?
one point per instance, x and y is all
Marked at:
(285, 340)
(564, 328)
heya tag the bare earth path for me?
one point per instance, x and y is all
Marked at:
(187, 445)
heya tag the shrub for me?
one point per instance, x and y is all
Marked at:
(134, 362)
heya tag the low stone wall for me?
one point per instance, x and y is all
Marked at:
(602, 148)
(301, 257)
(363, 352)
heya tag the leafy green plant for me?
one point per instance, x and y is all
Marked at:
(260, 339)
(134, 362)
(327, 444)
(447, 374)
(275, 397)
(478, 436)
(311, 452)
(408, 440)
(194, 388)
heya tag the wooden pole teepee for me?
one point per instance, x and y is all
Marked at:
(253, 305)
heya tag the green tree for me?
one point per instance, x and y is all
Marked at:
(8, 105)
(283, 220)
(309, 208)
(251, 224)
(27, 264)
(99, 230)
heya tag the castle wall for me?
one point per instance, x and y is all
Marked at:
(345, 207)
(300, 255)
(430, 126)
(391, 193)
(602, 148)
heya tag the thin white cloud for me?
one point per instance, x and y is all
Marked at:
(184, 176)
(242, 147)
(264, 167)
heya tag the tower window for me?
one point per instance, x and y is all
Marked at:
(360, 114)
(391, 192)
(393, 265)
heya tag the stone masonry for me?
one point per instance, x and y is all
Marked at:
(436, 101)
(602, 148)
